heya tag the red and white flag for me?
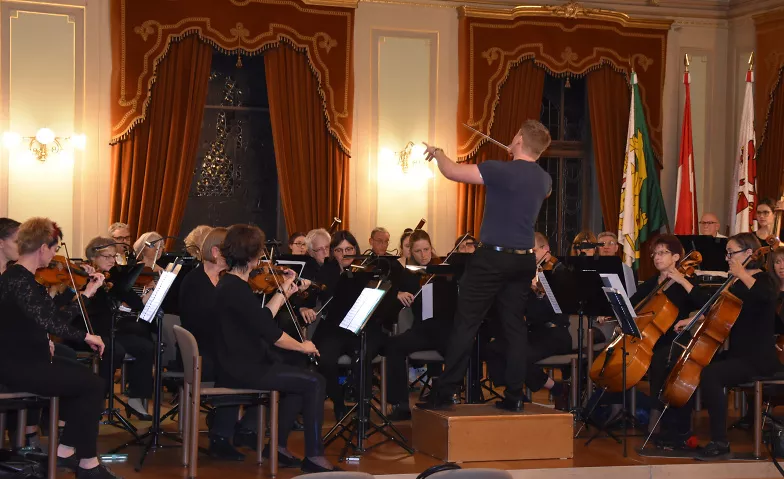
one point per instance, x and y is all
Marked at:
(744, 195)
(686, 201)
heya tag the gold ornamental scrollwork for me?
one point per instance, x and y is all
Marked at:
(568, 55)
(146, 29)
(326, 42)
(572, 9)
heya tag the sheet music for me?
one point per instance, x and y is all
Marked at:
(549, 292)
(613, 282)
(427, 301)
(362, 309)
(159, 293)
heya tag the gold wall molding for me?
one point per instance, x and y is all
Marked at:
(572, 10)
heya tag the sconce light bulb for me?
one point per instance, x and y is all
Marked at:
(44, 136)
(11, 140)
(79, 141)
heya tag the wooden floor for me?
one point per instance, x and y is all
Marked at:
(390, 459)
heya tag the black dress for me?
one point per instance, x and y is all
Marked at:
(246, 359)
(752, 350)
(197, 299)
(29, 313)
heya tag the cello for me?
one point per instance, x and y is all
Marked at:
(720, 313)
(655, 316)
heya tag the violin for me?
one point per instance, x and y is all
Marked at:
(720, 314)
(57, 273)
(146, 277)
(655, 316)
(314, 286)
(266, 278)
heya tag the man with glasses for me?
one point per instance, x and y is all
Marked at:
(121, 233)
(710, 226)
(379, 240)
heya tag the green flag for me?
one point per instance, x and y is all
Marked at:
(642, 206)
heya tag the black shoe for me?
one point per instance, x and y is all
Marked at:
(298, 426)
(510, 403)
(399, 414)
(714, 451)
(284, 461)
(99, 472)
(142, 416)
(309, 466)
(221, 449)
(744, 423)
(438, 401)
(71, 463)
(245, 438)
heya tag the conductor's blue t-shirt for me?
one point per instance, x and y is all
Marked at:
(515, 192)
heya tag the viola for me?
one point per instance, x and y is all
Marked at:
(57, 273)
(655, 316)
(720, 314)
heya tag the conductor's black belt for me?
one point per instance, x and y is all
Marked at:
(501, 249)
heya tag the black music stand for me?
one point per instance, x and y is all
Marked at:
(713, 251)
(152, 311)
(579, 291)
(363, 304)
(624, 313)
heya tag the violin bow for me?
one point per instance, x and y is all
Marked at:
(82, 308)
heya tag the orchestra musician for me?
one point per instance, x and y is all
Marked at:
(379, 241)
(503, 265)
(405, 246)
(777, 272)
(425, 333)
(297, 244)
(246, 334)
(687, 296)
(194, 239)
(583, 238)
(26, 361)
(9, 230)
(765, 215)
(120, 233)
(710, 225)
(752, 350)
(468, 245)
(343, 244)
(609, 247)
(131, 336)
(149, 254)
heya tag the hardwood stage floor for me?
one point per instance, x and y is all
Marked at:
(388, 458)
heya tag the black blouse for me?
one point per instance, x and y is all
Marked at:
(752, 334)
(197, 314)
(29, 313)
(101, 307)
(246, 333)
(444, 296)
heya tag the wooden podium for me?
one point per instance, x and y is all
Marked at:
(482, 432)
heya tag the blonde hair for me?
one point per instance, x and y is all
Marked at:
(214, 238)
(148, 237)
(195, 238)
(536, 138)
(37, 232)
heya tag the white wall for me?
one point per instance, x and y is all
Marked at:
(55, 71)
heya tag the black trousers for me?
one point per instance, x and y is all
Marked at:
(333, 342)
(423, 336)
(727, 371)
(543, 342)
(79, 390)
(676, 419)
(505, 279)
(139, 372)
(301, 391)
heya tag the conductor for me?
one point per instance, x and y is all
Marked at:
(504, 264)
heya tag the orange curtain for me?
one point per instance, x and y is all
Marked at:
(608, 106)
(770, 161)
(520, 99)
(152, 168)
(312, 168)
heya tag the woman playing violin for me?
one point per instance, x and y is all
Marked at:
(752, 349)
(246, 359)
(26, 363)
(297, 244)
(687, 296)
(194, 240)
(131, 337)
(425, 333)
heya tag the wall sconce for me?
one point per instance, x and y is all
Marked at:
(416, 165)
(44, 143)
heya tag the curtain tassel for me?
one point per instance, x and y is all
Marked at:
(239, 61)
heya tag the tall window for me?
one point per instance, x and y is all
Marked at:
(568, 160)
(235, 178)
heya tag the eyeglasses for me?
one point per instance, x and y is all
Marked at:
(300, 244)
(323, 249)
(663, 252)
(709, 222)
(57, 248)
(346, 250)
(122, 239)
(609, 243)
(730, 254)
(107, 256)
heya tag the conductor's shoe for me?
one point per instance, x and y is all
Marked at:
(510, 403)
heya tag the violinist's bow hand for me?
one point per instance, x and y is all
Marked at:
(95, 343)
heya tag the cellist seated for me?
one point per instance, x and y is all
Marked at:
(675, 426)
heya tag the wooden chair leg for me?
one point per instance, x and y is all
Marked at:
(274, 397)
(757, 419)
(54, 440)
(21, 420)
(3, 422)
(185, 422)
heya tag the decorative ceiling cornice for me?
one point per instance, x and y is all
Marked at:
(571, 9)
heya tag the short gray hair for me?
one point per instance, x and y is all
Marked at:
(313, 234)
(117, 226)
(378, 229)
(608, 233)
